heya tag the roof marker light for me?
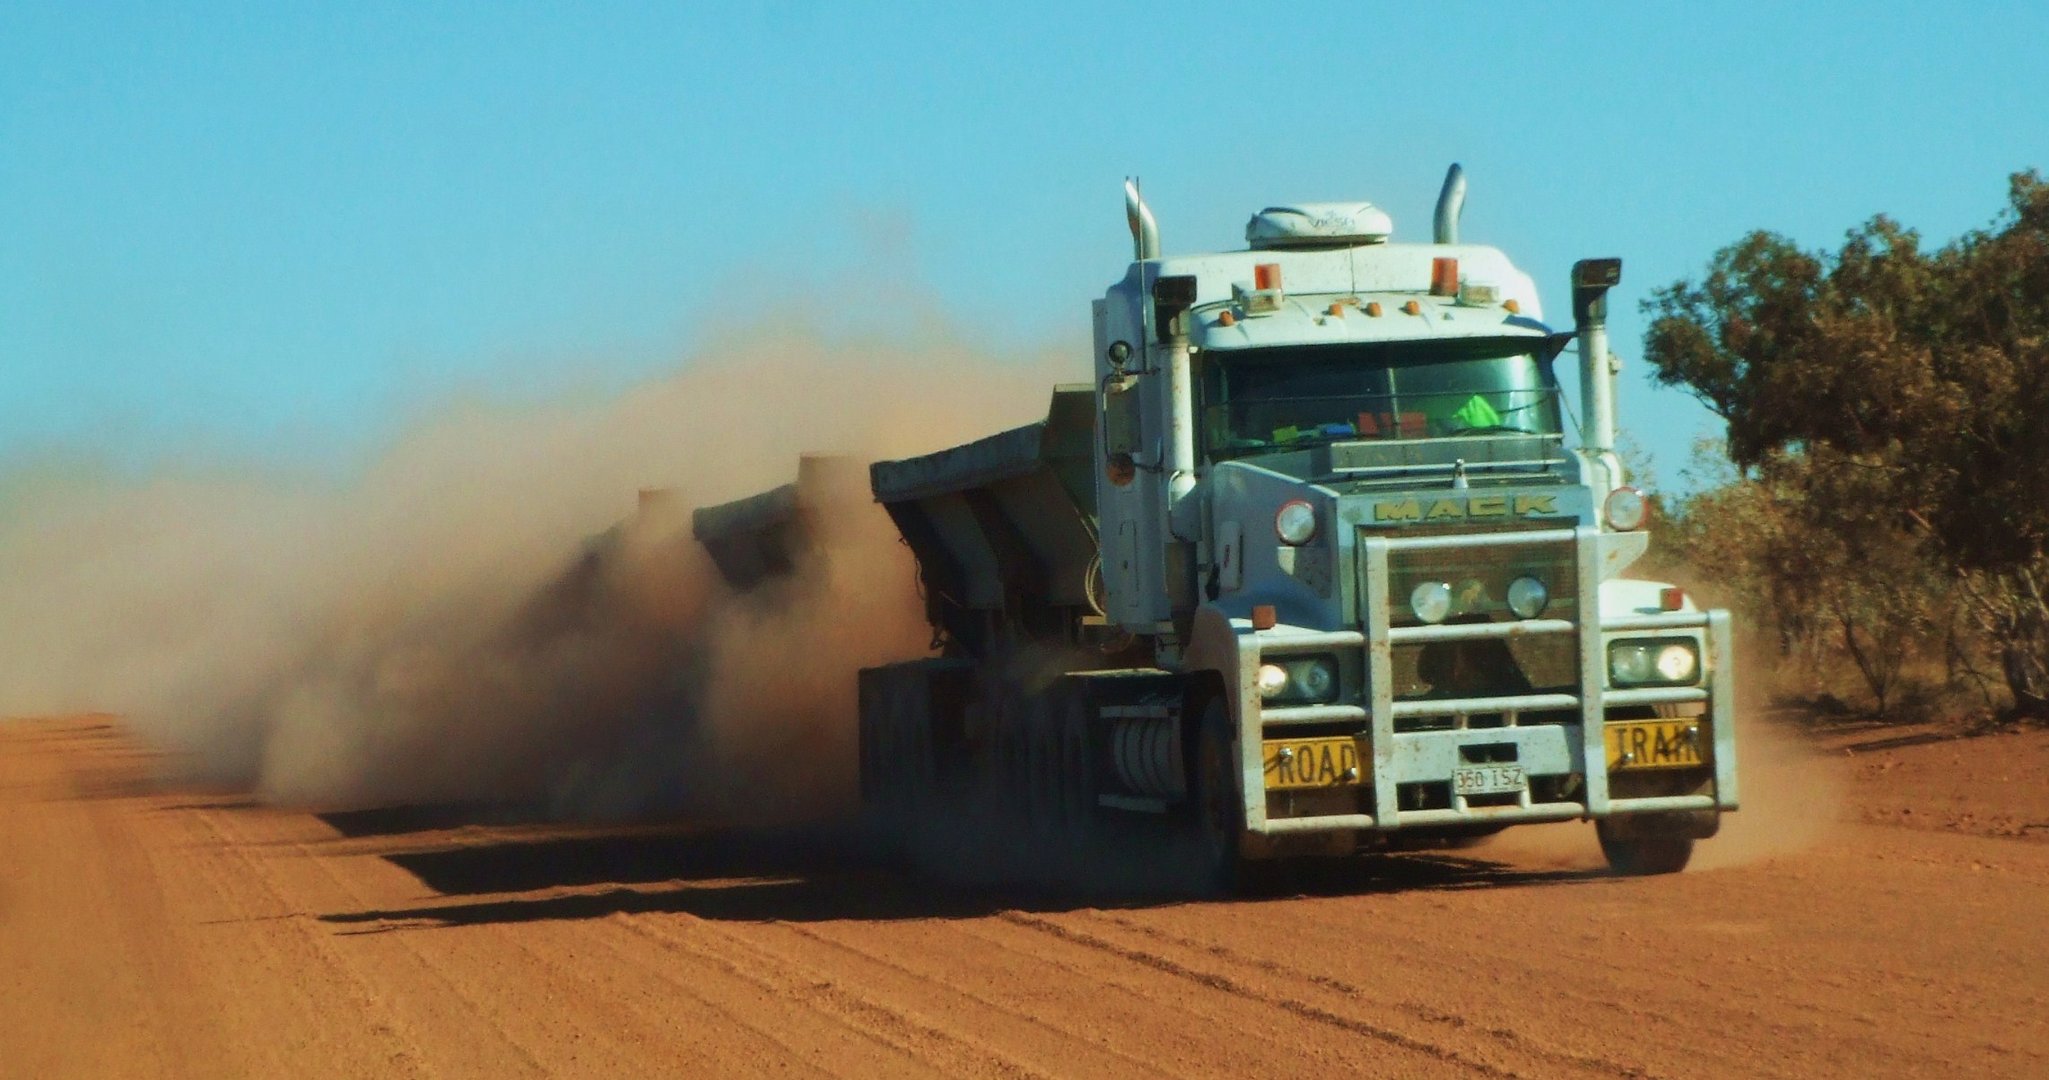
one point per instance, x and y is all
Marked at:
(1373, 308)
(1337, 309)
(1513, 307)
(1443, 277)
(1479, 294)
(1413, 308)
(1225, 318)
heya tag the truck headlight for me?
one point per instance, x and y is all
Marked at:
(1307, 681)
(1431, 601)
(1314, 679)
(1626, 509)
(1653, 662)
(1295, 523)
(1527, 597)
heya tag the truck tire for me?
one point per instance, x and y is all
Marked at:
(1638, 852)
(1219, 812)
(1042, 767)
(1077, 775)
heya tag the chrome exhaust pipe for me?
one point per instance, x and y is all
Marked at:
(1145, 232)
(1451, 202)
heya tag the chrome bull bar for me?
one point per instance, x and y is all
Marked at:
(1542, 749)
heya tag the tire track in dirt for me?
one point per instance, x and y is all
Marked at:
(923, 1039)
(1581, 998)
(1077, 1049)
(1244, 991)
(342, 1008)
(1511, 1040)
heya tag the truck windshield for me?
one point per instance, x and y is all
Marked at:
(1287, 397)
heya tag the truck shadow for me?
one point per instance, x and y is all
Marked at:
(824, 873)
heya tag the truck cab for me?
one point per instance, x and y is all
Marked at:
(1340, 486)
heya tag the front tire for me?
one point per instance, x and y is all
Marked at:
(1639, 853)
(1219, 809)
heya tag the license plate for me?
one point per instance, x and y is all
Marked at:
(1292, 764)
(1654, 744)
(1488, 779)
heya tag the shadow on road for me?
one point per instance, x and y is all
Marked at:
(828, 873)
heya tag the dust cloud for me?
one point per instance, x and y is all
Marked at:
(468, 618)
(1792, 796)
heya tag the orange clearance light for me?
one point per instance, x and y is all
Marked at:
(1337, 309)
(1513, 307)
(1266, 276)
(1413, 308)
(1671, 598)
(1444, 277)
(1263, 617)
(1225, 318)
(1373, 308)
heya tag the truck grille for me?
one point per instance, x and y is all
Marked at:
(1479, 579)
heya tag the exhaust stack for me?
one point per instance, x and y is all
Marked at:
(1451, 202)
(1591, 280)
(1145, 232)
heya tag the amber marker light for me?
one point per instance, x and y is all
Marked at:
(1513, 307)
(1413, 308)
(1225, 318)
(1444, 277)
(1337, 309)
(1264, 617)
(1373, 308)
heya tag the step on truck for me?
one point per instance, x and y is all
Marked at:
(1307, 567)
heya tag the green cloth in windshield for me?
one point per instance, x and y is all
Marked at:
(1476, 413)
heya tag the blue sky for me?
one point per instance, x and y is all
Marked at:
(275, 231)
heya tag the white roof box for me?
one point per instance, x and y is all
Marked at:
(1319, 224)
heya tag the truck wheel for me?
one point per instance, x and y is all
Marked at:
(1042, 768)
(1220, 814)
(1077, 788)
(1636, 853)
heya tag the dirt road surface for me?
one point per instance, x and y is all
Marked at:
(145, 933)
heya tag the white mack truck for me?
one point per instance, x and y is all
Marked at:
(1307, 567)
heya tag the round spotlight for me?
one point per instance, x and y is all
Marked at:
(1271, 680)
(1630, 664)
(1431, 601)
(1527, 597)
(1626, 509)
(1677, 663)
(1296, 523)
(1317, 679)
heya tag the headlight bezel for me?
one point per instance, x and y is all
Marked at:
(1297, 673)
(1626, 509)
(1291, 527)
(1648, 652)
(1438, 601)
(1516, 603)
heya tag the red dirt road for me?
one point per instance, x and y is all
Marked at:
(153, 934)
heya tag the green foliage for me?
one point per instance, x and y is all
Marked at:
(1888, 412)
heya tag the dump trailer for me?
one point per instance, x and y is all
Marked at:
(1307, 566)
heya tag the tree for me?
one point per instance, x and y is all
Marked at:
(1900, 396)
